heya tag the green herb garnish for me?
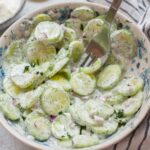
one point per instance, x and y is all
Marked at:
(119, 113)
(26, 69)
(82, 128)
(81, 27)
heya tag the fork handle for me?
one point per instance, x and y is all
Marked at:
(113, 10)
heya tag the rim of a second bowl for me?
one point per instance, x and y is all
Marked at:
(13, 15)
(96, 147)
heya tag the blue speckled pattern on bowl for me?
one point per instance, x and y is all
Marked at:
(139, 65)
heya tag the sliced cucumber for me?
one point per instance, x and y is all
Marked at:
(76, 49)
(63, 53)
(62, 82)
(113, 98)
(10, 88)
(15, 52)
(100, 109)
(131, 105)
(25, 76)
(38, 52)
(93, 68)
(94, 26)
(49, 32)
(9, 110)
(112, 60)
(63, 127)
(76, 25)
(20, 77)
(40, 73)
(29, 99)
(83, 13)
(78, 113)
(69, 36)
(108, 128)
(66, 72)
(130, 86)
(55, 100)
(81, 141)
(82, 84)
(38, 126)
(83, 116)
(123, 44)
(40, 18)
(57, 67)
(109, 77)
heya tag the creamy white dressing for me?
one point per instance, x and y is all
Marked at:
(8, 8)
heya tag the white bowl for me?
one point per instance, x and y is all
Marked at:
(12, 17)
(19, 29)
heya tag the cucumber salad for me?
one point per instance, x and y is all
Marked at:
(48, 93)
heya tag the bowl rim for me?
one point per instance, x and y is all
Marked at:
(16, 13)
(101, 145)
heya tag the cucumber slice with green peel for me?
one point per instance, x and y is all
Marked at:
(83, 13)
(94, 107)
(69, 36)
(63, 128)
(81, 141)
(93, 27)
(66, 72)
(10, 88)
(78, 113)
(24, 76)
(93, 68)
(123, 44)
(38, 126)
(130, 86)
(131, 105)
(76, 25)
(55, 100)
(82, 116)
(112, 60)
(49, 32)
(40, 72)
(57, 67)
(114, 98)
(82, 84)
(9, 110)
(36, 51)
(40, 18)
(15, 52)
(109, 77)
(20, 77)
(108, 128)
(62, 82)
(29, 99)
(76, 49)
(63, 53)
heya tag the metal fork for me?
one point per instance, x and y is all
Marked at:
(99, 46)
